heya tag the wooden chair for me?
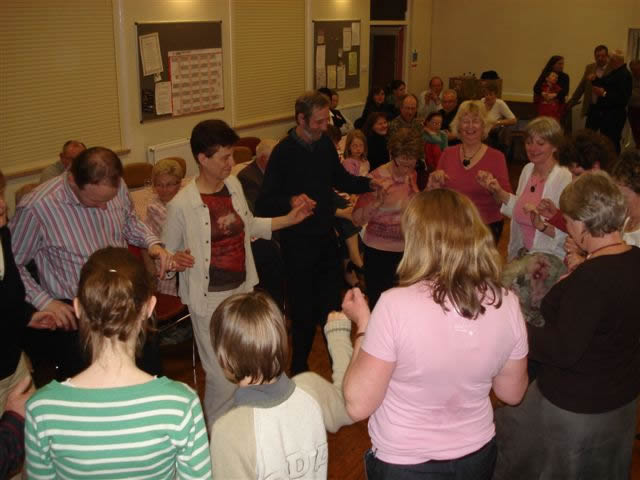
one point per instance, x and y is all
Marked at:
(249, 142)
(241, 154)
(137, 174)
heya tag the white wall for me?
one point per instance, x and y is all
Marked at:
(517, 37)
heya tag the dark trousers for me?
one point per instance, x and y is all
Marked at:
(608, 121)
(379, 272)
(475, 466)
(312, 272)
(270, 268)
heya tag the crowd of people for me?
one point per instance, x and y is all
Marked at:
(410, 199)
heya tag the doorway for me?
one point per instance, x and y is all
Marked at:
(386, 54)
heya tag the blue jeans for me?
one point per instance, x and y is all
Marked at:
(474, 466)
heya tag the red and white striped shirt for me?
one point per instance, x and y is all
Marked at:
(53, 228)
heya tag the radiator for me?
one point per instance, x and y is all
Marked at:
(175, 148)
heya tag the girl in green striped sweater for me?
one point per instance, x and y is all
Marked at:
(114, 421)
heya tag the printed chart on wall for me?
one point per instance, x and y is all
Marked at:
(180, 68)
(337, 54)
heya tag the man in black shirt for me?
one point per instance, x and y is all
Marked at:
(449, 110)
(303, 169)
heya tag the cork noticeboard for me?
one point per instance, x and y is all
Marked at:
(336, 54)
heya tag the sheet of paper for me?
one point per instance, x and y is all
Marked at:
(331, 76)
(163, 98)
(346, 39)
(150, 54)
(353, 63)
(196, 80)
(342, 81)
(320, 40)
(355, 34)
(321, 76)
(320, 55)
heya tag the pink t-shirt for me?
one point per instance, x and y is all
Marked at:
(464, 181)
(356, 167)
(437, 403)
(523, 218)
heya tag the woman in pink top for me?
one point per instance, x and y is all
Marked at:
(434, 348)
(462, 166)
(382, 211)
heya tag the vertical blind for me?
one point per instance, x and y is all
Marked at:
(57, 79)
(268, 41)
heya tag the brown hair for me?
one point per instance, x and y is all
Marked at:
(96, 165)
(626, 170)
(406, 142)
(352, 135)
(249, 337)
(113, 289)
(595, 200)
(309, 101)
(448, 245)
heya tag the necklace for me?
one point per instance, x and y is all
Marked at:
(466, 160)
(541, 180)
(603, 247)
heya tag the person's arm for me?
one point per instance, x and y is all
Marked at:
(193, 459)
(617, 90)
(233, 445)
(512, 381)
(558, 221)
(38, 463)
(508, 118)
(366, 205)
(367, 376)
(173, 232)
(26, 241)
(571, 318)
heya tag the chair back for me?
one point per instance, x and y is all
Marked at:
(137, 174)
(250, 142)
(241, 154)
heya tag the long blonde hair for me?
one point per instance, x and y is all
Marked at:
(448, 246)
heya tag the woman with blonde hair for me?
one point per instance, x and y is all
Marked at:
(578, 418)
(426, 359)
(463, 167)
(114, 420)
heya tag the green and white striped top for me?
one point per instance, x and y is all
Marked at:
(155, 430)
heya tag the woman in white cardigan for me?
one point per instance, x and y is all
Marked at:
(209, 227)
(541, 178)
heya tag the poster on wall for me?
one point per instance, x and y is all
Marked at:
(336, 54)
(196, 80)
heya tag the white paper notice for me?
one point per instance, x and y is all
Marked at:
(346, 39)
(321, 76)
(196, 80)
(342, 80)
(353, 63)
(150, 54)
(355, 34)
(320, 37)
(320, 55)
(163, 98)
(331, 76)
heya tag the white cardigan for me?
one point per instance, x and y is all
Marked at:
(559, 178)
(188, 226)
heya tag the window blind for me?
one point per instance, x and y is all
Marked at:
(268, 42)
(57, 79)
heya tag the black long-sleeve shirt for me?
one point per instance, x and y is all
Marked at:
(15, 312)
(589, 347)
(618, 85)
(296, 167)
(11, 442)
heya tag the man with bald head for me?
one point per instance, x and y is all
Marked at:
(408, 116)
(70, 150)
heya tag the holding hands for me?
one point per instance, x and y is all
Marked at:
(547, 208)
(437, 179)
(304, 201)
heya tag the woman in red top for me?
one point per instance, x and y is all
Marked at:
(463, 166)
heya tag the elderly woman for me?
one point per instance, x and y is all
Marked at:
(578, 418)
(211, 218)
(541, 178)
(464, 167)
(382, 211)
(434, 348)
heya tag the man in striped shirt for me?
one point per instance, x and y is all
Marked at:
(60, 224)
